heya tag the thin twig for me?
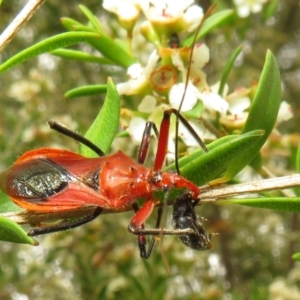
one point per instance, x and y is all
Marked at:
(13, 28)
(211, 194)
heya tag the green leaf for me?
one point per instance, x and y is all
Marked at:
(297, 189)
(105, 45)
(81, 56)
(105, 126)
(92, 18)
(6, 205)
(266, 103)
(211, 23)
(58, 41)
(12, 232)
(262, 115)
(298, 159)
(70, 24)
(87, 90)
(111, 50)
(270, 9)
(199, 152)
(123, 134)
(73, 25)
(228, 68)
(296, 256)
(277, 203)
(84, 28)
(195, 112)
(201, 168)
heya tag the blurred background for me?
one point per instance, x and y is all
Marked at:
(251, 257)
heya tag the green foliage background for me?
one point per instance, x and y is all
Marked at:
(101, 259)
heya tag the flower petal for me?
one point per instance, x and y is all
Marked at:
(285, 112)
(214, 102)
(193, 16)
(238, 105)
(136, 128)
(148, 104)
(234, 121)
(176, 93)
(200, 57)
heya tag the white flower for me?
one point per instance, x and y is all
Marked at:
(199, 60)
(285, 112)
(238, 102)
(280, 289)
(126, 10)
(214, 102)
(234, 121)
(238, 105)
(24, 90)
(139, 76)
(176, 93)
(198, 90)
(211, 101)
(193, 17)
(170, 12)
(165, 8)
(135, 71)
(245, 7)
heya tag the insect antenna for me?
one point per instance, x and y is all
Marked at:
(75, 136)
(201, 143)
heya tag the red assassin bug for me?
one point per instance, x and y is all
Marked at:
(52, 180)
(49, 180)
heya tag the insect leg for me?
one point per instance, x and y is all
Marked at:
(143, 151)
(144, 253)
(146, 141)
(65, 225)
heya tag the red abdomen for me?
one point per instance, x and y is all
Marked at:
(48, 179)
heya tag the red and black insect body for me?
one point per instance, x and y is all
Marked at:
(53, 180)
